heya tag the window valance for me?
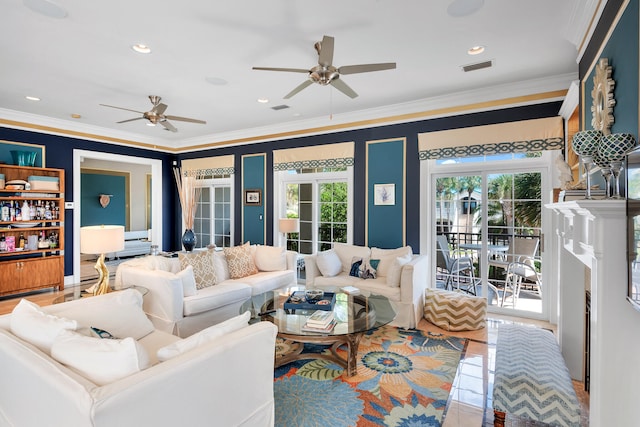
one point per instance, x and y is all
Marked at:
(329, 156)
(514, 137)
(208, 166)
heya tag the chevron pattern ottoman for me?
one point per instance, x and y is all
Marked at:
(531, 379)
(455, 311)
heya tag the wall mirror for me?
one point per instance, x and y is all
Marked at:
(602, 100)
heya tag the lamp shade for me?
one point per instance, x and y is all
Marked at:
(288, 225)
(100, 239)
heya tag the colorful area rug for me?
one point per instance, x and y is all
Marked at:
(404, 378)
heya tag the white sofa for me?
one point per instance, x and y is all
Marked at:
(173, 310)
(401, 276)
(226, 379)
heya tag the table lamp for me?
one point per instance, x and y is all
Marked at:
(98, 240)
(288, 225)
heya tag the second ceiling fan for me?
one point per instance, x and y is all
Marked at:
(326, 74)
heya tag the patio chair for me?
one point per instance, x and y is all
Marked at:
(458, 270)
(521, 249)
(517, 274)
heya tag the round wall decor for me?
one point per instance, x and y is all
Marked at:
(602, 100)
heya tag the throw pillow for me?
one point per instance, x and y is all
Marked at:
(346, 252)
(31, 324)
(120, 313)
(328, 263)
(395, 271)
(221, 266)
(387, 257)
(206, 335)
(203, 269)
(270, 258)
(100, 361)
(188, 278)
(356, 262)
(369, 268)
(240, 261)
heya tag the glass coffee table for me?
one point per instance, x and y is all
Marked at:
(354, 315)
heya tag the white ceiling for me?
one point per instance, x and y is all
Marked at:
(77, 62)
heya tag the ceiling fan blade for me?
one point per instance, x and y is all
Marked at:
(160, 109)
(186, 119)
(365, 68)
(130, 120)
(120, 108)
(289, 70)
(168, 126)
(325, 55)
(344, 88)
(298, 88)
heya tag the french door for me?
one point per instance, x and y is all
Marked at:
(485, 216)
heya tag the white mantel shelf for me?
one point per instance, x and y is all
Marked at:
(592, 233)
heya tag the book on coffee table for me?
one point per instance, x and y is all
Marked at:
(312, 328)
(320, 319)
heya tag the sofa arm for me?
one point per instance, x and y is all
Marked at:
(292, 261)
(164, 302)
(413, 279)
(311, 270)
(236, 368)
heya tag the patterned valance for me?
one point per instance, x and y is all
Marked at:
(319, 156)
(514, 137)
(209, 166)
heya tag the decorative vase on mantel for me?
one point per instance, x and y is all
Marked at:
(189, 240)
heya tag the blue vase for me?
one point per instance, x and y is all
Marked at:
(189, 240)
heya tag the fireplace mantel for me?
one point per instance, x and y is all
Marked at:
(589, 251)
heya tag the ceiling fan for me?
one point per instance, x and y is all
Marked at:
(156, 115)
(325, 73)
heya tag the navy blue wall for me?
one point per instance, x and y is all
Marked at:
(59, 154)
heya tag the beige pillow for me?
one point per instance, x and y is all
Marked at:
(346, 252)
(270, 258)
(387, 257)
(395, 271)
(329, 263)
(37, 327)
(240, 261)
(189, 287)
(203, 267)
(221, 266)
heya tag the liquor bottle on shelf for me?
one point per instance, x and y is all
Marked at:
(3, 243)
(25, 211)
(47, 211)
(4, 212)
(21, 241)
(32, 210)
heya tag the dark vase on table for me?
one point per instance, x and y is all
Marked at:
(189, 240)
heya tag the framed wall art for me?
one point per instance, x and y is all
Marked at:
(253, 197)
(384, 194)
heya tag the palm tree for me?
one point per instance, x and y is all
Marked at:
(445, 189)
(501, 189)
(469, 184)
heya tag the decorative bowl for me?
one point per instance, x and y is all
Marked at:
(313, 295)
(24, 158)
(586, 142)
(614, 147)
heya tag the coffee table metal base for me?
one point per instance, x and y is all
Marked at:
(351, 340)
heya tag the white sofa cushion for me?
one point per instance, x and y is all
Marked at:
(240, 261)
(203, 268)
(101, 361)
(189, 287)
(221, 266)
(37, 327)
(270, 258)
(267, 281)
(346, 253)
(213, 297)
(328, 263)
(204, 336)
(395, 271)
(387, 256)
(119, 313)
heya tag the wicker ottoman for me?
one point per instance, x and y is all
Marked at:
(531, 379)
(455, 311)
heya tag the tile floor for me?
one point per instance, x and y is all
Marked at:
(470, 399)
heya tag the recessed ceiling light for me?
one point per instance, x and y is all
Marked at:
(46, 8)
(217, 81)
(76, 116)
(32, 98)
(476, 50)
(263, 100)
(141, 48)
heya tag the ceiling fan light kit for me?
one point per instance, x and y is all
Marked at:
(326, 74)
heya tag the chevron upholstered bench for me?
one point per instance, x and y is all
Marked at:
(531, 379)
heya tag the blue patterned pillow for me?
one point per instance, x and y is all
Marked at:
(369, 269)
(356, 262)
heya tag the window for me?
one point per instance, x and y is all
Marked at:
(321, 199)
(214, 214)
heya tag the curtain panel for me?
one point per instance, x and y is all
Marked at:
(318, 156)
(514, 137)
(208, 166)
